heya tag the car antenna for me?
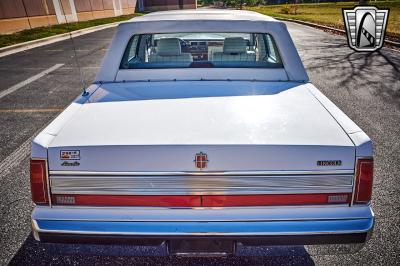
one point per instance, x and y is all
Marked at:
(85, 92)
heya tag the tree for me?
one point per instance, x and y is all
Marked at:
(295, 6)
(362, 2)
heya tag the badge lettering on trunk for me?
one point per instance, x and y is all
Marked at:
(329, 163)
(201, 160)
(70, 164)
(70, 155)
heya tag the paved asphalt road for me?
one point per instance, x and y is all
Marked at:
(366, 86)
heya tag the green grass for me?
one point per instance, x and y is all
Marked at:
(38, 33)
(330, 14)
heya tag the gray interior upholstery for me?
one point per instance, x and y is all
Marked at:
(235, 49)
(169, 50)
(234, 45)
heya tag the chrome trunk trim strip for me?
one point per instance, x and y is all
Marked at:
(200, 185)
(202, 173)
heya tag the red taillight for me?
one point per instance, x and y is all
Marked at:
(275, 200)
(39, 190)
(364, 177)
(127, 200)
(201, 201)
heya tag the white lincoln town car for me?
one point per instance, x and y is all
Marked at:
(202, 132)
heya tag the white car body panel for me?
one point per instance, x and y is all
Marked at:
(141, 114)
(246, 117)
(361, 141)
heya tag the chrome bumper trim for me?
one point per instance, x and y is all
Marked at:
(263, 220)
(202, 214)
(333, 222)
(259, 228)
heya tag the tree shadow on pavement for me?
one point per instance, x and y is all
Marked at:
(375, 73)
(36, 253)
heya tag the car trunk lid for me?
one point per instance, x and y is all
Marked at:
(259, 138)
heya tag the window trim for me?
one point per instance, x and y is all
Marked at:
(280, 65)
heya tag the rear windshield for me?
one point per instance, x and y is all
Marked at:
(201, 50)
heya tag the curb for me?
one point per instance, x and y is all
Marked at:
(20, 47)
(336, 30)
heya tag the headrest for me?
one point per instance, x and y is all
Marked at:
(235, 45)
(168, 47)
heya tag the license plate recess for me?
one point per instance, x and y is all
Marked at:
(199, 247)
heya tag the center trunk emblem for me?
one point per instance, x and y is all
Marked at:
(201, 160)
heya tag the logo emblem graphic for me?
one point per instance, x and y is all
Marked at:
(201, 160)
(365, 27)
(70, 155)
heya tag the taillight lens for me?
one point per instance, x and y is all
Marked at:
(39, 190)
(363, 188)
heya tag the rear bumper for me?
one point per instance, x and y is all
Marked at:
(250, 226)
(143, 233)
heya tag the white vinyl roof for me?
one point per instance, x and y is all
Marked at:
(203, 14)
(201, 20)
